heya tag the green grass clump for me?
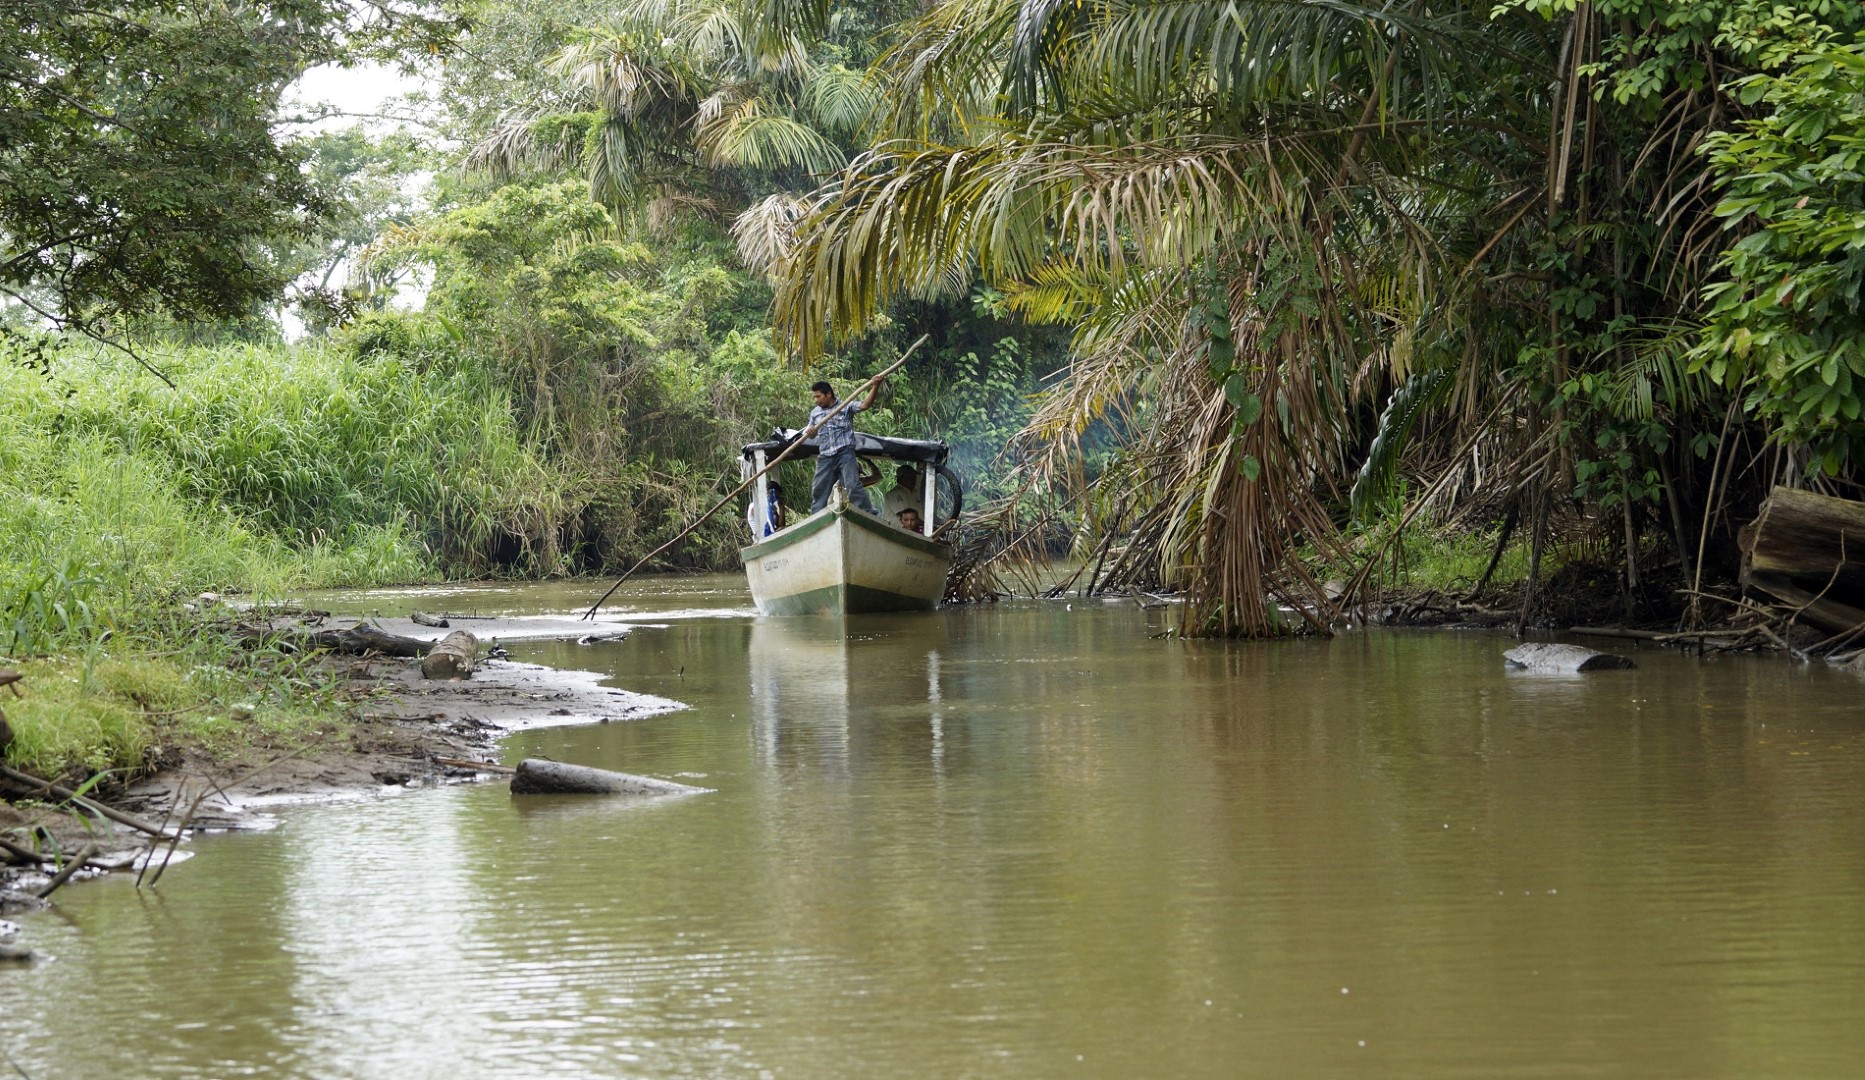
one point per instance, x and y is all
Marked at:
(1454, 561)
(91, 713)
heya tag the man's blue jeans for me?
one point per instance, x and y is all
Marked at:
(839, 467)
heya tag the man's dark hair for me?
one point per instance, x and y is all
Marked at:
(906, 474)
(821, 388)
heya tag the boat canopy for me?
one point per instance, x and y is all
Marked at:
(924, 451)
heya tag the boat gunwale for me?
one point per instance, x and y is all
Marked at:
(823, 518)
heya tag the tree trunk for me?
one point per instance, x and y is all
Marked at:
(452, 658)
(1808, 550)
(537, 777)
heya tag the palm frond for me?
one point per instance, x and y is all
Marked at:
(765, 232)
(839, 100)
(753, 136)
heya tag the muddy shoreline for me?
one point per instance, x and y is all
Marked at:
(406, 733)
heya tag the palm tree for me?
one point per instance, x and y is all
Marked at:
(1252, 212)
(689, 102)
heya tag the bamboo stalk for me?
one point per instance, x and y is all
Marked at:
(734, 493)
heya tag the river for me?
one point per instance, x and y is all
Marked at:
(1030, 840)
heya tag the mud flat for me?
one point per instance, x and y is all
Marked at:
(408, 732)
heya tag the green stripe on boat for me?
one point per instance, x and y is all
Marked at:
(781, 540)
(845, 599)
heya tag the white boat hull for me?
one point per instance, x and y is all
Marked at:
(842, 560)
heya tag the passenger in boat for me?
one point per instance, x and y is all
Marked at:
(906, 492)
(835, 448)
(910, 521)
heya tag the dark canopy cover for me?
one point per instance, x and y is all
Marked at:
(871, 446)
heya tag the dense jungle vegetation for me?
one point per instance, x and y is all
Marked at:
(1224, 297)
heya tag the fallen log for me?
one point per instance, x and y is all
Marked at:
(422, 618)
(1567, 659)
(535, 776)
(355, 640)
(20, 853)
(452, 658)
(1808, 551)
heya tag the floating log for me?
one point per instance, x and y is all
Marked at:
(1547, 656)
(538, 777)
(1808, 550)
(422, 618)
(452, 658)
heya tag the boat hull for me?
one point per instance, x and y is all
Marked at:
(841, 560)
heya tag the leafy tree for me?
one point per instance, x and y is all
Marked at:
(1786, 325)
(1291, 236)
(640, 370)
(373, 184)
(139, 162)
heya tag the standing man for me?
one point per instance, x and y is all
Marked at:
(835, 447)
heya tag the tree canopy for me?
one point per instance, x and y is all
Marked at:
(142, 162)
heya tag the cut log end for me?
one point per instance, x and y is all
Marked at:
(1808, 551)
(1569, 659)
(451, 659)
(538, 777)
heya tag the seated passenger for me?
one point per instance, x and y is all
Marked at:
(906, 492)
(910, 521)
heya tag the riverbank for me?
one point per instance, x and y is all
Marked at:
(399, 731)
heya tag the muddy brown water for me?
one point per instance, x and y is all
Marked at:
(1030, 841)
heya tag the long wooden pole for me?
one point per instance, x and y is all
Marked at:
(808, 433)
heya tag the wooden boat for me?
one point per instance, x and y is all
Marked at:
(842, 559)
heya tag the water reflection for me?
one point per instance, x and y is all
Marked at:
(1026, 841)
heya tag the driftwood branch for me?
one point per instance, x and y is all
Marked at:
(355, 640)
(34, 785)
(72, 866)
(481, 766)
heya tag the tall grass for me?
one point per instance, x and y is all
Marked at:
(362, 469)
(266, 470)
